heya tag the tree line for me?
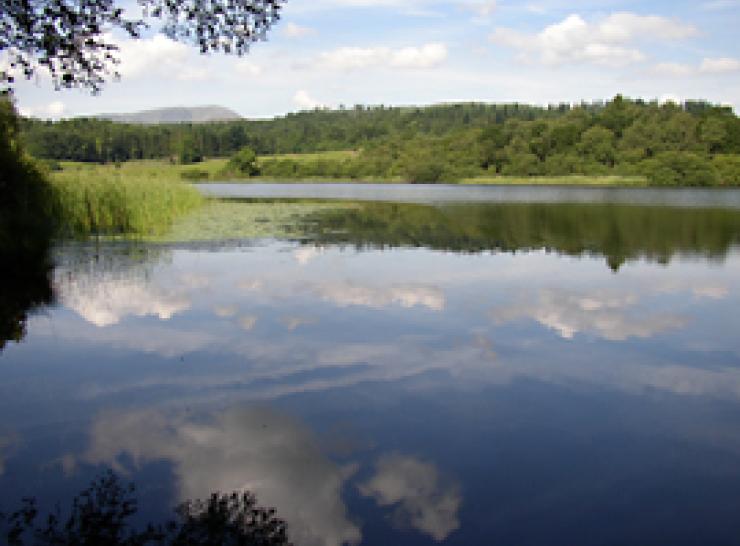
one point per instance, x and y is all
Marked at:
(692, 143)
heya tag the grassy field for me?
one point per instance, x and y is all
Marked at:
(151, 169)
(211, 169)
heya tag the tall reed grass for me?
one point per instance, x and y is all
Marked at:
(92, 203)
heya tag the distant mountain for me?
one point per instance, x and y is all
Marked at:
(197, 114)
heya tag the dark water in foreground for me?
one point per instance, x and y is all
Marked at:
(469, 373)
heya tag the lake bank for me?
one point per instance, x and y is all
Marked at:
(212, 171)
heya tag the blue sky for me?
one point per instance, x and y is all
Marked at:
(399, 52)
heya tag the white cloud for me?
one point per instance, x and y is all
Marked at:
(673, 69)
(254, 450)
(610, 41)
(426, 56)
(52, 110)
(720, 65)
(483, 8)
(248, 68)
(718, 5)
(304, 101)
(424, 502)
(606, 315)
(293, 30)
(160, 56)
(417, 57)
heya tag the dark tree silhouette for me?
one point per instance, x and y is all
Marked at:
(70, 38)
(26, 229)
(101, 514)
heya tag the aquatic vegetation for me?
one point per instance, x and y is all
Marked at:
(231, 219)
(118, 203)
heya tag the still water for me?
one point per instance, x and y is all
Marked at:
(459, 371)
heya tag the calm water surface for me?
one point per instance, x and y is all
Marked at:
(522, 371)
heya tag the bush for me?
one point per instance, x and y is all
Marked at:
(679, 169)
(243, 163)
(728, 169)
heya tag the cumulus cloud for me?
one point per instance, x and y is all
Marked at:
(161, 56)
(605, 315)
(483, 8)
(248, 68)
(52, 110)
(720, 65)
(293, 30)
(610, 41)
(105, 300)
(345, 294)
(673, 69)
(424, 502)
(349, 58)
(718, 5)
(268, 454)
(304, 101)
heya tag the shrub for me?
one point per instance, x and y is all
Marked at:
(243, 163)
(728, 169)
(679, 168)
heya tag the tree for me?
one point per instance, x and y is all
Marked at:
(243, 162)
(26, 229)
(71, 40)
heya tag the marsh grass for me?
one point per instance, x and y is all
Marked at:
(109, 201)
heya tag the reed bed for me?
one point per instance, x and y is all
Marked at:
(91, 203)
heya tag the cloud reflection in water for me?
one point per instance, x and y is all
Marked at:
(268, 454)
(423, 500)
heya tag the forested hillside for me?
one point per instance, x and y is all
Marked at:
(695, 143)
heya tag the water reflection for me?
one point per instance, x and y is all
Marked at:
(479, 351)
(618, 232)
(105, 288)
(25, 285)
(256, 450)
(7, 443)
(423, 500)
(611, 316)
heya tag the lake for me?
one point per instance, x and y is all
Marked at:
(400, 365)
